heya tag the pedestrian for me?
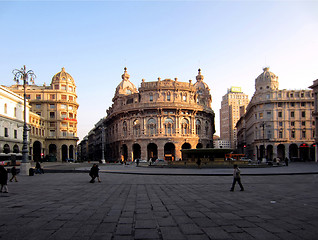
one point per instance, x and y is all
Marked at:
(236, 178)
(38, 168)
(137, 162)
(94, 173)
(3, 179)
(199, 162)
(286, 161)
(14, 174)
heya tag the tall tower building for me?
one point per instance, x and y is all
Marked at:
(231, 105)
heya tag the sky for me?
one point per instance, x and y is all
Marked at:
(231, 41)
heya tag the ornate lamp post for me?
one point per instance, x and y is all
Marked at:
(23, 75)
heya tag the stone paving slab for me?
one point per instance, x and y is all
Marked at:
(130, 206)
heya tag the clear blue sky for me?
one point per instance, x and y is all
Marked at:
(231, 41)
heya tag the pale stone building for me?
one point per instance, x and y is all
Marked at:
(314, 87)
(277, 123)
(11, 124)
(54, 131)
(157, 120)
(231, 103)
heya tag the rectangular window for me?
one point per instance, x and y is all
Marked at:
(303, 123)
(15, 133)
(57, 87)
(292, 124)
(280, 134)
(63, 106)
(38, 96)
(38, 106)
(184, 98)
(52, 106)
(303, 114)
(52, 96)
(63, 87)
(64, 97)
(6, 132)
(292, 104)
(52, 133)
(302, 104)
(52, 114)
(168, 97)
(260, 115)
(269, 114)
(71, 98)
(280, 114)
(64, 133)
(292, 114)
(63, 115)
(303, 133)
(280, 104)
(151, 98)
(70, 89)
(293, 134)
(280, 124)
(27, 96)
(52, 124)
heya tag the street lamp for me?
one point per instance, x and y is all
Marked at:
(103, 139)
(263, 126)
(23, 75)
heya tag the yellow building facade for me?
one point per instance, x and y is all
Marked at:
(53, 122)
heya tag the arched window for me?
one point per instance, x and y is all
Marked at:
(151, 126)
(207, 128)
(136, 127)
(125, 129)
(168, 126)
(185, 126)
(198, 127)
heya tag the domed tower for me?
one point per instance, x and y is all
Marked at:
(125, 87)
(64, 81)
(266, 81)
(203, 91)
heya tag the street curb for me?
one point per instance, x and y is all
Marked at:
(175, 174)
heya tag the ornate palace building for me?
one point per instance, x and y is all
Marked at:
(277, 123)
(53, 117)
(156, 121)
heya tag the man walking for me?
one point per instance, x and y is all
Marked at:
(236, 178)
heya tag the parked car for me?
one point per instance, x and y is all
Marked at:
(246, 159)
(70, 160)
(160, 162)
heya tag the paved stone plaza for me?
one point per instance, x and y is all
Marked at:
(132, 206)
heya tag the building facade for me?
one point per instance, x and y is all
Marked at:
(11, 124)
(156, 121)
(231, 103)
(277, 123)
(314, 87)
(54, 120)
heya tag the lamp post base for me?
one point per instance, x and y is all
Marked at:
(103, 161)
(24, 168)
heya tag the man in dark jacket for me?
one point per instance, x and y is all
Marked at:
(14, 174)
(94, 173)
(3, 179)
